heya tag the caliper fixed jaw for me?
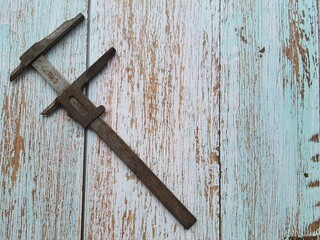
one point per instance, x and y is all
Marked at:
(43, 46)
(78, 106)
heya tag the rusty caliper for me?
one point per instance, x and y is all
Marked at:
(81, 109)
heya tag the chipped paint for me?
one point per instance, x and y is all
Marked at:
(175, 62)
(314, 227)
(305, 238)
(298, 54)
(314, 184)
(19, 147)
(315, 138)
(316, 158)
(269, 110)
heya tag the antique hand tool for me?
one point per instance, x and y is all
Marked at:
(80, 108)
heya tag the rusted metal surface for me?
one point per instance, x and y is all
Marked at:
(41, 47)
(87, 114)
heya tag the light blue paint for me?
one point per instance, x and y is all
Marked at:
(4, 50)
(266, 127)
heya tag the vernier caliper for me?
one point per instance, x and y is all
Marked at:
(81, 109)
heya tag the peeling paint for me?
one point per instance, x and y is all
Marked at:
(315, 138)
(240, 32)
(18, 149)
(316, 158)
(296, 50)
(305, 238)
(269, 108)
(164, 90)
(313, 227)
(314, 184)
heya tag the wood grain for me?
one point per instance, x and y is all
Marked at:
(269, 113)
(185, 72)
(161, 92)
(40, 158)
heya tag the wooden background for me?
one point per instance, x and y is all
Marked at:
(219, 98)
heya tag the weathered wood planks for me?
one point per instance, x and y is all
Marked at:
(269, 113)
(162, 94)
(40, 158)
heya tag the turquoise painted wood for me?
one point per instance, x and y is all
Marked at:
(220, 98)
(269, 119)
(40, 158)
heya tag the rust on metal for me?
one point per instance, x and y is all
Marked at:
(41, 47)
(80, 108)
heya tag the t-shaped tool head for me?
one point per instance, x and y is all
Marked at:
(41, 47)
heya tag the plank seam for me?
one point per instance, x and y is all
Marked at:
(84, 162)
(219, 117)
